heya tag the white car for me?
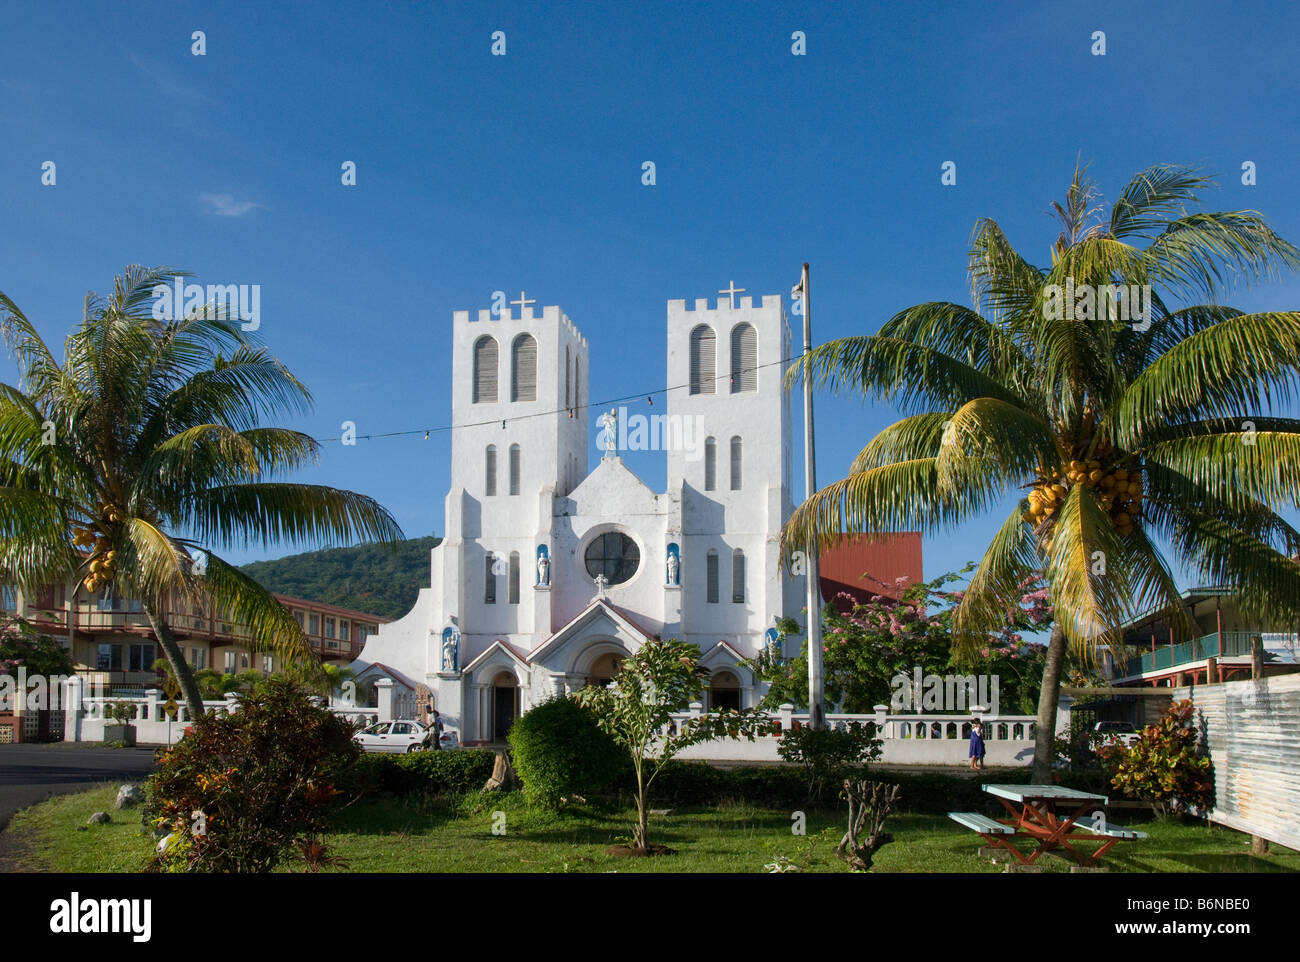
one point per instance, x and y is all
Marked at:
(1117, 733)
(394, 736)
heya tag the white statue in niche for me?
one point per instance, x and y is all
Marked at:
(543, 570)
(674, 568)
(450, 649)
(774, 646)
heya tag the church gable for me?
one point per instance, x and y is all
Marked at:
(613, 484)
(600, 624)
(497, 658)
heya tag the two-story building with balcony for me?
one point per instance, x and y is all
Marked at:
(113, 644)
(1220, 651)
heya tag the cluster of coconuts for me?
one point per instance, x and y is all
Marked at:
(98, 541)
(1121, 492)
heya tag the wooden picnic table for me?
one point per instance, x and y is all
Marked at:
(1051, 815)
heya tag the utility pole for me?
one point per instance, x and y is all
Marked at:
(816, 683)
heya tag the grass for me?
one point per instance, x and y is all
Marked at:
(456, 835)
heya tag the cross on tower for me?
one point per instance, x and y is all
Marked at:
(731, 292)
(523, 302)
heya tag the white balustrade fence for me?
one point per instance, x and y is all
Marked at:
(85, 718)
(918, 739)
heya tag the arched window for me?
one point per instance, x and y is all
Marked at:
(744, 359)
(711, 577)
(512, 590)
(568, 371)
(514, 469)
(577, 382)
(738, 577)
(485, 370)
(490, 471)
(489, 581)
(704, 368)
(523, 369)
(710, 464)
(735, 463)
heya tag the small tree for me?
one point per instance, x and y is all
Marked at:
(829, 755)
(636, 711)
(22, 646)
(1163, 765)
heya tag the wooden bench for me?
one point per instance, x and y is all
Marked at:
(1111, 829)
(981, 823)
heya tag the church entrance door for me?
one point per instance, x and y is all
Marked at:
(505, 705)
(603, 670)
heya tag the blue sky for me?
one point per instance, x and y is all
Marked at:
(478, 173)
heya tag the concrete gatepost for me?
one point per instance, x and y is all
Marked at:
(786, 714)
(153, 699)
(384, 688)
(232, 702)
(72, 709)
(882, 716)
(1063, 706)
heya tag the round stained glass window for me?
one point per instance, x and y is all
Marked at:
(613, 555)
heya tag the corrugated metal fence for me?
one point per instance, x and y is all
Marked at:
(1253, 732)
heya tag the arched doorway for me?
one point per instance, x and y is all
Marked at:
(724, 691)
(505, 704)
(604, 668)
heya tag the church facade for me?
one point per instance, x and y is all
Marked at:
(552, 571)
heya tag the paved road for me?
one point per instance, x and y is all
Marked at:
(32, 773)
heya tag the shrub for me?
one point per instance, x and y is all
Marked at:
(1163, 765)
(123, 712)
(448, 772)
(829, 755)
(241, 792)
(437, 773)
(559, 751)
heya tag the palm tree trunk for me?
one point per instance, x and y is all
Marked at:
(176, 658)
(1048, 696)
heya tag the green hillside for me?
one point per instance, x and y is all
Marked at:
(370, 578)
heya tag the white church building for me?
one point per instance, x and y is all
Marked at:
(551, 572)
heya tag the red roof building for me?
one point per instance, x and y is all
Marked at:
(866, 565)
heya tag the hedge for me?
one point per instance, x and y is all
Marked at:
(437, 772)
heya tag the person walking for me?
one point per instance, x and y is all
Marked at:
(976, 744)
(435, 723)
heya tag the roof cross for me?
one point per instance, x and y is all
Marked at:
(731, 291)
(524, 301)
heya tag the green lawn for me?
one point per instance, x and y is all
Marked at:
(456, 835)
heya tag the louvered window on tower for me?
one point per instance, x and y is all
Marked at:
(523, 386)
(568, 370)
(485, 370)
(490, 471)
(735, 464)
(738, 577)
(513, 588)
(711, 577)
(489, 582)
(710, 464)
(704, 368)
(514, 469)
(744, 359)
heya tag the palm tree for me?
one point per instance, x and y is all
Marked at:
(1120, 438)
(129, 464)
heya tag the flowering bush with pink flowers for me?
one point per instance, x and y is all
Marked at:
(906, 628)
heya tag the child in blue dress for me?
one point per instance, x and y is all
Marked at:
(976, 744)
